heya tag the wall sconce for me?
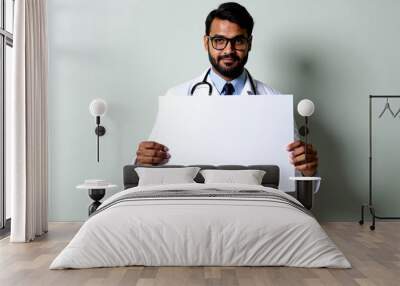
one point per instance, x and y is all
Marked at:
(305, 109)
(97, 108)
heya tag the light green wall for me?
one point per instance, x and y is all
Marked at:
(129, 53)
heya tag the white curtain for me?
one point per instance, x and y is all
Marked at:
(27, 122)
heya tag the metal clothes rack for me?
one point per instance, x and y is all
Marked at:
(370, 204)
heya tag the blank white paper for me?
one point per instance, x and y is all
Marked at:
(220, 130)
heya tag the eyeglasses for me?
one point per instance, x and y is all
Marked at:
(239, 43)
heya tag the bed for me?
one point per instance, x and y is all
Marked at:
(201, 224)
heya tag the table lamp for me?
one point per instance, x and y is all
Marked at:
(304, 185)
(97, 108)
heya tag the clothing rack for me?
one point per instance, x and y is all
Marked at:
(370, 206)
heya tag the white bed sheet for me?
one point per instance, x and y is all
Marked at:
(200, 231)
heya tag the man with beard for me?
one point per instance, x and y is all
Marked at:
(228, 42)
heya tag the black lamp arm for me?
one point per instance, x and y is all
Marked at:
(306, 139)
(100, 131)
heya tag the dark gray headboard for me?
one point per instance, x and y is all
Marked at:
(271, 177)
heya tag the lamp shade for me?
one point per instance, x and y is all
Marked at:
(305, 107)
(98, 107)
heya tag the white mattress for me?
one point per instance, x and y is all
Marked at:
(200, 231)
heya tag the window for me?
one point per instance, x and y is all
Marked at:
(6, 45)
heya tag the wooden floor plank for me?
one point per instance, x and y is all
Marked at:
(375, 257)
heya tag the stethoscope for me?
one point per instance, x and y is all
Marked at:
(210, 87)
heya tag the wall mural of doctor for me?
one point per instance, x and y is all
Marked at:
(228, 42)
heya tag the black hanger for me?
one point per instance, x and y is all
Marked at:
(387, 107)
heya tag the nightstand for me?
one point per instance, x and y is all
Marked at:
(305, 190)
(96, 190)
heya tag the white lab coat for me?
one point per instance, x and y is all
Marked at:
(202, 90)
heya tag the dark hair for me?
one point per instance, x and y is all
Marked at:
(233, 12)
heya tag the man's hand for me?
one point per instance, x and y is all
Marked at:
(151, 153)
(297, 158)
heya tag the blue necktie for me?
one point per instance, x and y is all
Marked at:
(228, 89)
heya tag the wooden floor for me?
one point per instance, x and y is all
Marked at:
(375, 256)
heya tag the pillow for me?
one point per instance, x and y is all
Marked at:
(163, 176)
(248, 177)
